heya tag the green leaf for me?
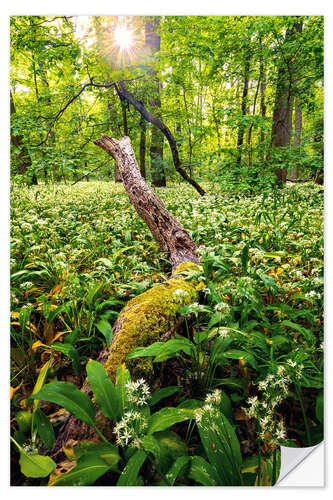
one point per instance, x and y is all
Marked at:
(165, 392)
(222, 449)
(36, 465)
(167, 417)
(129, 475)
(202, 472)
(122, 378)
(179, 467)
(107, 451)
(88, 469)
(71, 352)
(105, 328)
(40, 380)
(69, 397)
(104, 391)
(44, 428)
(241, 355)
(295, 326)
(174, 445)
(151, 445)
(320, 407)
(23, 420)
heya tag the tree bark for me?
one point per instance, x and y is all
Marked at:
(152, 315)
(262, 78)
(294, 174)
(241, 128)
(153, 43)
(282, 114)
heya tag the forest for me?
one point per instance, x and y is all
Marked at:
(166, 248)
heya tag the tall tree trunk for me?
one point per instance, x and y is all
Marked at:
(217, 127)
(241, 128)
(283, 107)
(189, 135)
(294, 174)
(262, 78)
(23, 159)
(251, 126)
(153, 43)
(153, 314)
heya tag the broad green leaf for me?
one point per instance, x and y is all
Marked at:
(222, 449)
(107, 451)
(69, 397)
(122, 378)
(44, 428)
(129, 475)
(167, 417)
(105, 328)
(71, 352)
(179, 467)
(151, 445)
(202, 472)
(104, 391)
(165, 392)
(191, 404)
(40, 380)
(36, 465)
(241, 355)
(88, 469)
(175, 446)
(23, 420)
(232, 382)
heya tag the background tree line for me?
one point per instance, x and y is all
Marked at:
(242, 97)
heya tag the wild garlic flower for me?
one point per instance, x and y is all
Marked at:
(138, 392)
(274, 390)
(130, 428)
(223, 307)
(209, 410)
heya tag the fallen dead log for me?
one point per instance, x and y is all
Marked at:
(152, 315)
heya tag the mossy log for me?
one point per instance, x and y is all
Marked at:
(151, 316)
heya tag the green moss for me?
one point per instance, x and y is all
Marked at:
(148, 316)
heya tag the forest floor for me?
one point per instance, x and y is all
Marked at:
(78, 254)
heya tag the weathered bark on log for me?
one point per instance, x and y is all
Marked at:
(152, 315)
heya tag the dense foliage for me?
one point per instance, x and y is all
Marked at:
(219, 82)
(242, 374)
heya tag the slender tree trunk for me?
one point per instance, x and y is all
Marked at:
(189, 134)
(241, 129)
(251, 126)
(282, 114)
(153, 314)
(294, 174)
(153, 43)
(262, 78)
(217, 127)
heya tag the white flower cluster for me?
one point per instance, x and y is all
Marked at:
(274, 389)
(209, 411)
(138, 392)
(295, 369)
(223, 308)
(130, 428)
